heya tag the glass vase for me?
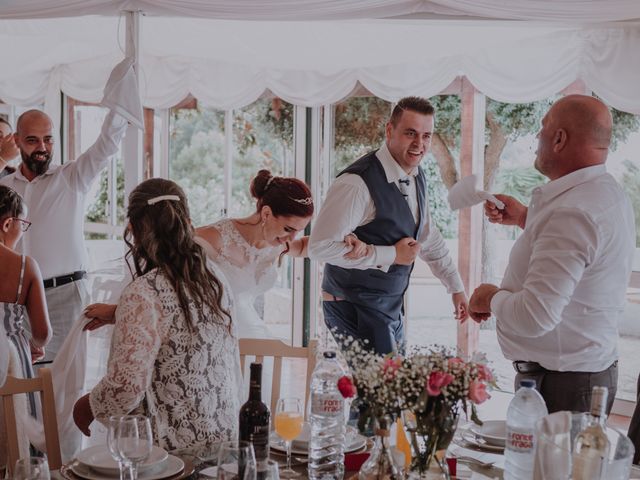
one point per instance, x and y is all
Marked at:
(430, 434)
(380, 464)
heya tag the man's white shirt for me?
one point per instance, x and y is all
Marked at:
(567, 276)
(349, 205)
(55, 202)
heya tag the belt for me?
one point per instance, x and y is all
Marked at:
(528, 367)
(64, 279)
(534, 367)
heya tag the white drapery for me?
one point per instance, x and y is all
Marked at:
(230, 63)
(546, 10)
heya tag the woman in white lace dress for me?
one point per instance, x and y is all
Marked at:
(174, 354)
(248, 249)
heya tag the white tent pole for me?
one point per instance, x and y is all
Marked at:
(132, 144)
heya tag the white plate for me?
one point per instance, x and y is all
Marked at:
(172, 466)
(470, 438)
(494, 432)
(355, 441)
(99, 458)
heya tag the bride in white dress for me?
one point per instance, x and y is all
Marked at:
(248, 250)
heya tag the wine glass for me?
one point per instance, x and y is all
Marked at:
(134, 441)
(236, 460)
(112, 442)
(288, 422)
(31, 468)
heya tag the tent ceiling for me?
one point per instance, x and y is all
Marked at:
(570, 11)
(230, 63)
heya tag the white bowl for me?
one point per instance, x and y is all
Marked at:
(494, 432)
(99, 458)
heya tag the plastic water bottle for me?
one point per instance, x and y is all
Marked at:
(526, 408)
(326, 416)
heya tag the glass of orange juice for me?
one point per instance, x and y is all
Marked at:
(288, 423)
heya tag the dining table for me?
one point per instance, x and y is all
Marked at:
(200, 463)
(472, 460)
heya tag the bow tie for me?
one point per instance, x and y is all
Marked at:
(406, 181)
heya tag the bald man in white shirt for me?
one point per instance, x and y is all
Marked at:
(558, 307)
(55, 195)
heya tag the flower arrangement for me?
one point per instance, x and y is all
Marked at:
(434, 385)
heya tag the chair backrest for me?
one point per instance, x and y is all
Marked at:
(44, 385)
(259, 348)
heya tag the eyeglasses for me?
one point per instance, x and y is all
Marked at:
(24, 224)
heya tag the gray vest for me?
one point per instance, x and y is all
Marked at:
(374, 288)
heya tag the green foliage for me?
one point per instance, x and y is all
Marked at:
(518, 119)
(623, 125)
(98, 211)
(360, 123)
(263, 138)
(441, 214)
(448, 124)
(631, 185)
(519, 182)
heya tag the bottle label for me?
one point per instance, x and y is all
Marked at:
(521, 441)
(327, 404)
(260, 439)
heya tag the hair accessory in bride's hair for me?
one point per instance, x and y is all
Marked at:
(303, 201)
(269, 182)
(159, 198)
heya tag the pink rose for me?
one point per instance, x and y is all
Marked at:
(346, 387)
(438, 380)
(484, 373)
(391, 366)
(478, 392)
(455, 361)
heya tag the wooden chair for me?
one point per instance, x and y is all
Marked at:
(258, 348)
(44, 385)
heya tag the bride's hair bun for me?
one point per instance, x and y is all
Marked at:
(259, 185)
(286, 196)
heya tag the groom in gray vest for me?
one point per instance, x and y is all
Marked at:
(382, 199)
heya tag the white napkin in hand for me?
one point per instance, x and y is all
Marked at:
(465, 194)
(553, 451)
(121, 93)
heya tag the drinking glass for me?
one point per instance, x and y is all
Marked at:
(112, 442)
(31, 468)
(288, 422)
(237, 461)
(134, 441)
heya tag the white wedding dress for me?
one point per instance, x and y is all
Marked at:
(250, 272)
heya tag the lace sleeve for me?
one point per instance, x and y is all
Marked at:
(134, 348)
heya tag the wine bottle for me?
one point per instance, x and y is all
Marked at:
(591, 447)
(254, 416)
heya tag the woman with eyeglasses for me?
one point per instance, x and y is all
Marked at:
(21, 290)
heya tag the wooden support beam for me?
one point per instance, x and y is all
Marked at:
(470, 219)
(148, 143)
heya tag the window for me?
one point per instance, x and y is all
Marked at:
(196, 159)
(623, 165)
(104, 217)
